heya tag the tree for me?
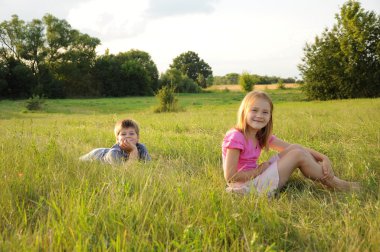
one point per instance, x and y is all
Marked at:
(180, 82)
(145, 61)
(33, 49)
(58, 56)
(344, 62)
(11, 38)
(3, 78)
(70, 55)
(16, 79)
(193, 67)
(136, 78)
(232, 78)
(107, 72)
(128, 73)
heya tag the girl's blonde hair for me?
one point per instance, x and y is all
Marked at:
(263, 134)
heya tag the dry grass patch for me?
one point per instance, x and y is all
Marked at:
(257, 87)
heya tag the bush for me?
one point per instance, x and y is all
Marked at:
(180, 82)
(280, 84)
(166, 97)
(35, 102)
(246, 81)
(187, 85)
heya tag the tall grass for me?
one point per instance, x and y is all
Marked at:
(51, 201)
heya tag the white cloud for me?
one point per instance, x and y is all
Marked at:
(112, 19)
(117, 19)
(36, 9)
(163, 8)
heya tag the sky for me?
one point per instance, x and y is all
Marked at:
(232, 36)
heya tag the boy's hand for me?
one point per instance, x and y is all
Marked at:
(127, 146)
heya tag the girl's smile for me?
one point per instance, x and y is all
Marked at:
(258, 114)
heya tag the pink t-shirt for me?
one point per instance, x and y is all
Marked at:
(249, 154)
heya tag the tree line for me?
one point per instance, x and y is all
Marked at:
(233, 79)
(49, 58)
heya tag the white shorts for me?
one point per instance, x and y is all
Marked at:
(265, 183)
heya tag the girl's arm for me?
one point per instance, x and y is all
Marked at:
(280, 145)
(318, 156)
(230, 168)
(326, 163)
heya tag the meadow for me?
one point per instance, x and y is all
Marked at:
(49, 201)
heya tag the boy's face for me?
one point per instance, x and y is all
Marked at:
(128, 134)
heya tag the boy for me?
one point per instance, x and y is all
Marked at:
(127, 146)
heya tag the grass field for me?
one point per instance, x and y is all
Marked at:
(51, 201)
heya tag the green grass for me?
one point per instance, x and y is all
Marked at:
(51, 201)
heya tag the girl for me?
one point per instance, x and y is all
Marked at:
(242, 146)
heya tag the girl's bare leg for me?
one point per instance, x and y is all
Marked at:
(295, 156)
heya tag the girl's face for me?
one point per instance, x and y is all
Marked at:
(258, 114)
(128, 134)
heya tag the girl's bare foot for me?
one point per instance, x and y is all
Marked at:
(355, 186)
(342, 185)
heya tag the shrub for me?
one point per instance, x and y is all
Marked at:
(35, 102)
(166, 97)
(280, 84)
(246, 81)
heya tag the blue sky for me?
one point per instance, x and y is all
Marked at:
(261, 37)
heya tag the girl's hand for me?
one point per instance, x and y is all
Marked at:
(328, 173)
(262, 167)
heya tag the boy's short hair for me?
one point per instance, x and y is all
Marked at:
(126, 123)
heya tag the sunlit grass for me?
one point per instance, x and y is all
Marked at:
(51, 201)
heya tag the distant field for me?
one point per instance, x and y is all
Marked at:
(49, 201)
(257, 87)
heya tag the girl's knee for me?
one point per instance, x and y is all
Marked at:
(298, 154)
(296, 147)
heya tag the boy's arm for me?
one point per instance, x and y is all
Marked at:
(133, 155)
(143, 152)
(113, 157)
(131, 149)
